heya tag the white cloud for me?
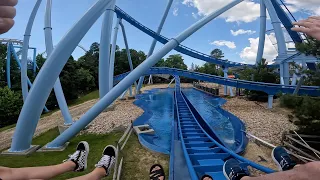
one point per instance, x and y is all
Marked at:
(242, 31)
(310, 6)
(249, 54)
(246, 11)
(194, 15)
(229, 44)
(175, 11)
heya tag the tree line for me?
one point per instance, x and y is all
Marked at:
(78, 77)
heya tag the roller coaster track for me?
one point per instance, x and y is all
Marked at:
(268, 88)
(203, 154)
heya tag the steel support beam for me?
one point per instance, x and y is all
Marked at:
(113, 53)
(134, 75)
(104, 54)
(154, 42)
(225, 73)
(263, 26)
(34, 64)
(270, 101)
(49, 48)
(15, 56)
(128, 53)
(48, 75)
(8, 63)
(25, 48)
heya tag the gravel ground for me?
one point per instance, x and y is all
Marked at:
(124, 112)
(260, 121)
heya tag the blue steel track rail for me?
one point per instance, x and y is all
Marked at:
(271, 89)
(182, 49)
(287, 23)
(203, 154)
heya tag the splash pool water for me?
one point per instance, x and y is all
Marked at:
(207, 106)
(158, 107)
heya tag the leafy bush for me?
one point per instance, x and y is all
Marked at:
(10, 106)
(290, 101)
(306, 109)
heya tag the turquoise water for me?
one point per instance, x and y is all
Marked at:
(158, 106)
(206, 106)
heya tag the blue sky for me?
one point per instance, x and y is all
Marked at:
(149, 12)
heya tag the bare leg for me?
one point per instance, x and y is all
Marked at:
(46, 172)
(96, 174)
(304, 172)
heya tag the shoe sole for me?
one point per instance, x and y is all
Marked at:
(86, 145)
(224, 172)
(275, 161)
(116, 156)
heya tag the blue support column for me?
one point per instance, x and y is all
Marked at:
(8, 65)
(154, 42)
(34, 62)
(262, 36)
(12, 50)
(113, 53)
(286, 73)
(25, 48)
(270, 101)
(134, 75)
(281, 74)
(49, 48)
(225, 73)
(276, 23)
(48, 75)
(104, 55)
(128, 53)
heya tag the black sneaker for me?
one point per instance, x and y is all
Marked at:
(108, 159)
(80, 156)
(282, 159)
(233, 171)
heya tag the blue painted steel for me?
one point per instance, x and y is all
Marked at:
(154, 42)
(49, 48)
(128, 53)
(113, 53)
(47, 76)
(11, 48)
(133, 76)
(8, 65)
(276, 23)
(203, 154)
(271, 89)
(24, 65)
(34, 64)
(104, 54)
(262, 35)
(287, 23)
(182, 49)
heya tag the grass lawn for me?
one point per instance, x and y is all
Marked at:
(80, 100)
(137, 159)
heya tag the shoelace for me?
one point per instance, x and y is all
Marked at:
(72, 156)
(283, 162)
(103, 161)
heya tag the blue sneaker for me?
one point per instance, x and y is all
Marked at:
(282, 159)
(233, 171)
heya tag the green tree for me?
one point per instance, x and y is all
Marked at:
(10, 105)
(311, 47)
(176, 61)
(217, 53)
